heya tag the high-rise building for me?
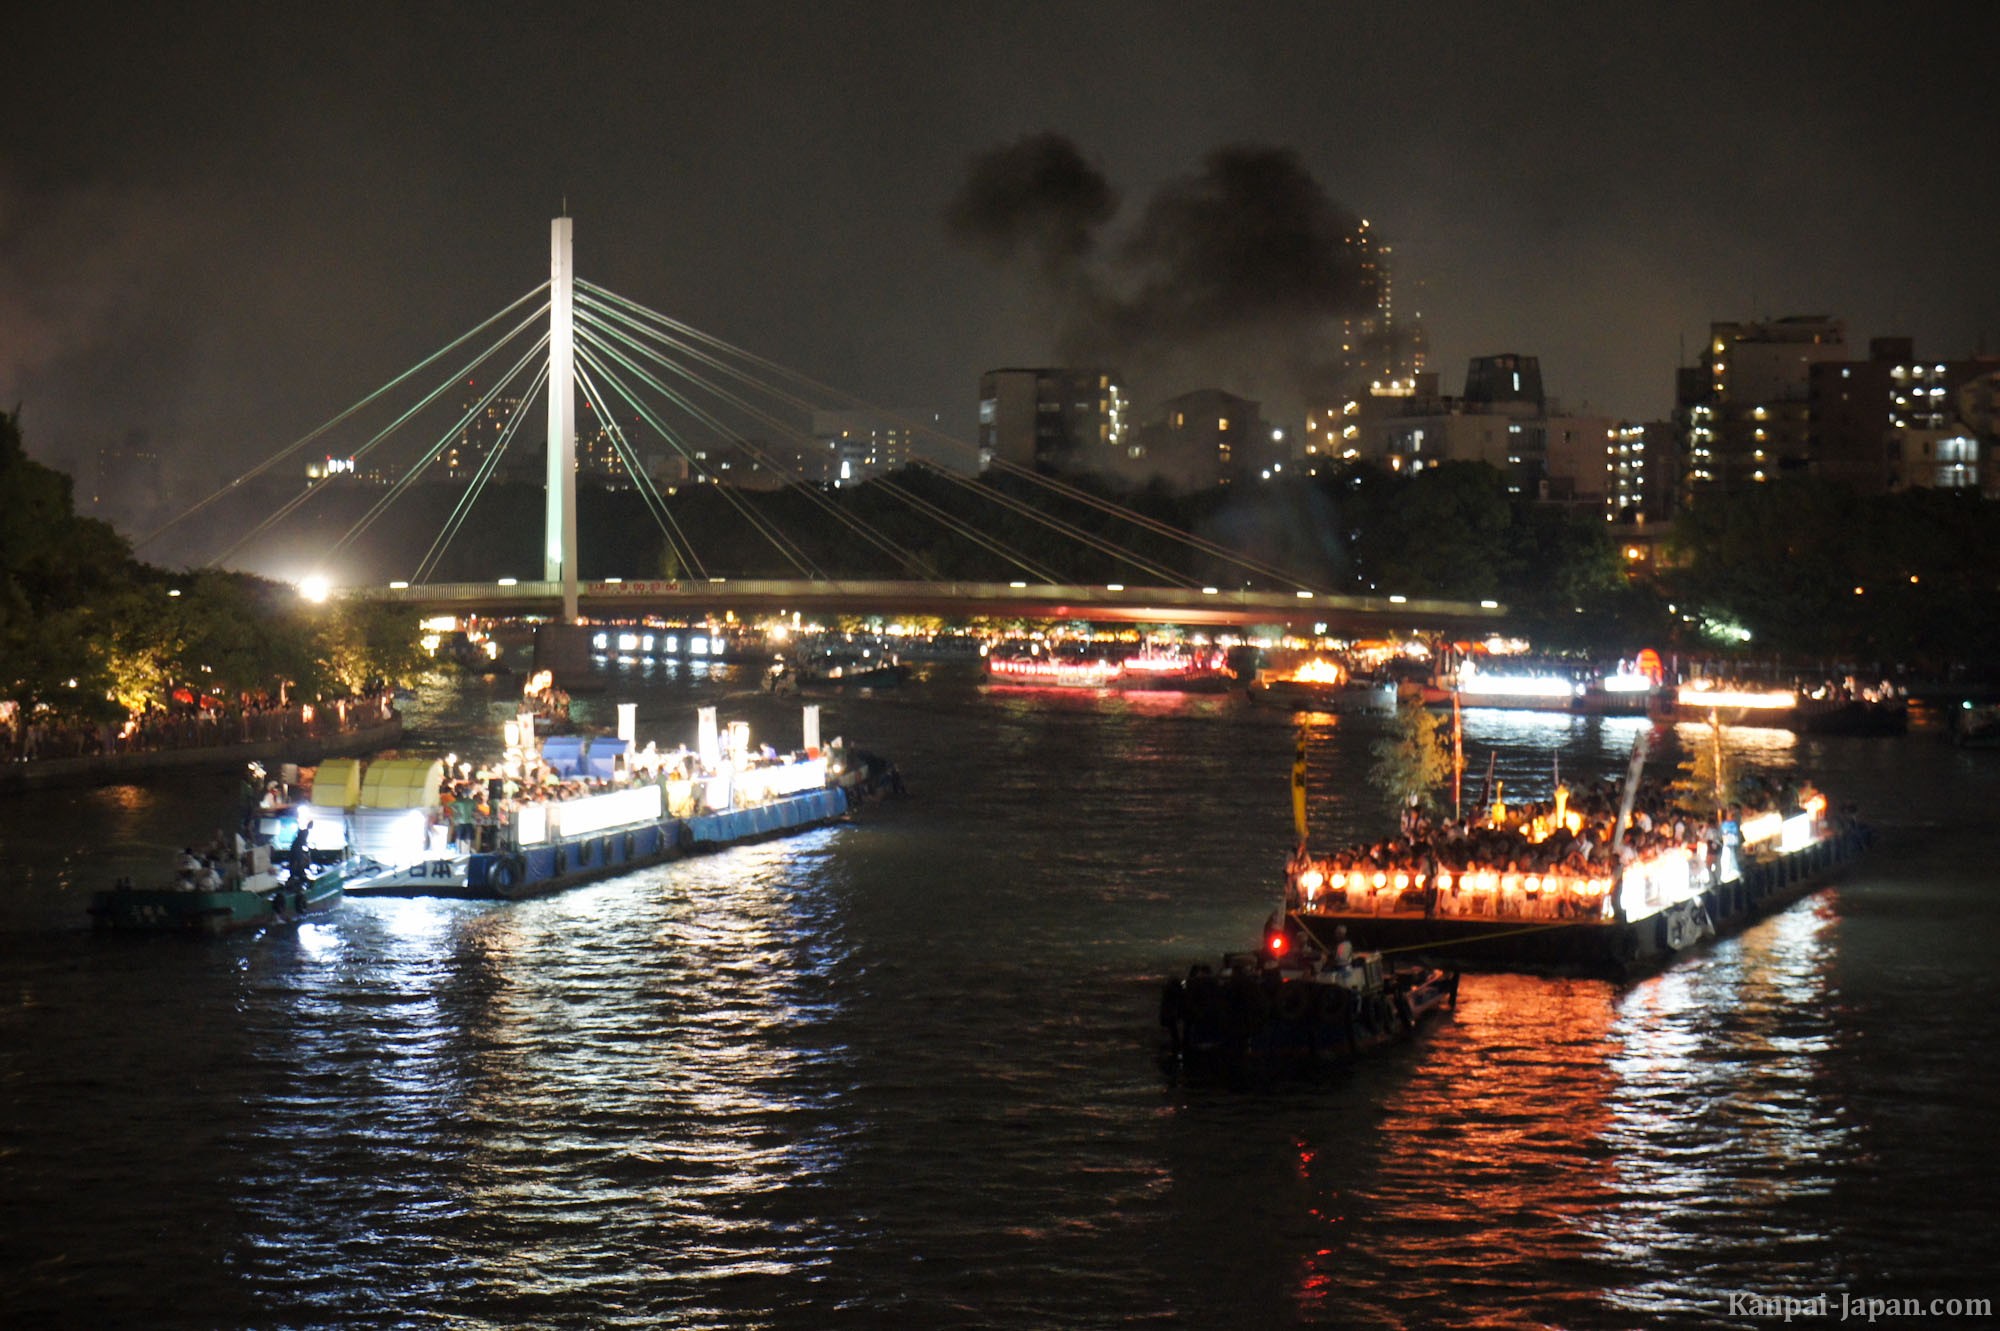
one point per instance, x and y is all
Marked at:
(1896, 422)
(1504, 419)
(1054, 420)
(1744, 412)
(1378, 351)
(1639, 472)
(480, 435)
(856, 446)
(1382, 356)
(1208, 438)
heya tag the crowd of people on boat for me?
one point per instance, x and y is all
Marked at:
(1554, 860)
(482, 807)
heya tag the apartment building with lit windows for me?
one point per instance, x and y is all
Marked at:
(1056, 420)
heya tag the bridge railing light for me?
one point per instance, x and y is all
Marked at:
(1114, 586)
(1208, 591)
(1017, 584)
(1489, 605)
(399, 586)
(510, 582)
(315, 587)
(1303, 595)
(1399, 600)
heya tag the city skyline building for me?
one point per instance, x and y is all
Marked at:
(1057, 420)
(1744, 411)
(1896, 421)
(1208, 437)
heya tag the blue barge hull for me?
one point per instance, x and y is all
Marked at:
(539, 870)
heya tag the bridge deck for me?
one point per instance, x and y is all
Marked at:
(627, 598)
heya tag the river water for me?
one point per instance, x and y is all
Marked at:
(904, 1072)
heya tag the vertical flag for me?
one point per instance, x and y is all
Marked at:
(1299, 786)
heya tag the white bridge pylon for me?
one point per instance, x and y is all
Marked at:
(559, 524)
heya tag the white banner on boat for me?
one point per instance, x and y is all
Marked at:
(708, 738)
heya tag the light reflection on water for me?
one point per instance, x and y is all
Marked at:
(1720, 1128)
(902, 1072)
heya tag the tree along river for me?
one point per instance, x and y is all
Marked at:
(905, 1073)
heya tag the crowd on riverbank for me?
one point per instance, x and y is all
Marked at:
(190, 726)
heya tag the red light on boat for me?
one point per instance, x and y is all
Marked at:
(1278, 943)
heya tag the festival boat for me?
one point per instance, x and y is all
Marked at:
(1587, 918)
(388, 823)
(1154, 667)
(823, 668)
(1827, 709)
(1289, 1008)
(249, 897)
(1285, 1008)
(1318, 684)
(1544, 686)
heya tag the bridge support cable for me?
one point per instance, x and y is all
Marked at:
(487, 466)
(926, 508)
(789, 550)
(1158, 527)
(678, 543)
(359, 406)
(665, 326)
(601, 346)
(1081, 535)
(292, 505)
(408, 478)
(960, 527)
(790, 475)
(589, 349)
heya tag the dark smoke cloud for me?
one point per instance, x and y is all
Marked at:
(1252, 240)
(1036, 197)
(1236, 277)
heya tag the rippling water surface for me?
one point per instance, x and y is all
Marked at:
(904, 1072)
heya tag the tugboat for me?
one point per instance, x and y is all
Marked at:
(1296, 1005)
(1291, 1006)
(1319, 684)
(823, 667)
(244, 894)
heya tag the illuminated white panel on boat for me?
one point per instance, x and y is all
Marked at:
(531, 824)
(594, 813)
(1798, 833)
(1519, 686)
(1693, 696)
(759, 784)
(1652, 885)
(1762, 827)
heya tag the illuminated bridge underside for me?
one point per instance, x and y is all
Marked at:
(950, 600)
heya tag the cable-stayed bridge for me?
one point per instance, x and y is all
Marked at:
(1018, 539)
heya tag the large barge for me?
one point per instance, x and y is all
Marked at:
(1153, 668)
(1838, 708)
(1612, 926)
(563, 811)
(1539, 890)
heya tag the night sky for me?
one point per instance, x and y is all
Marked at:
(221, 223)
